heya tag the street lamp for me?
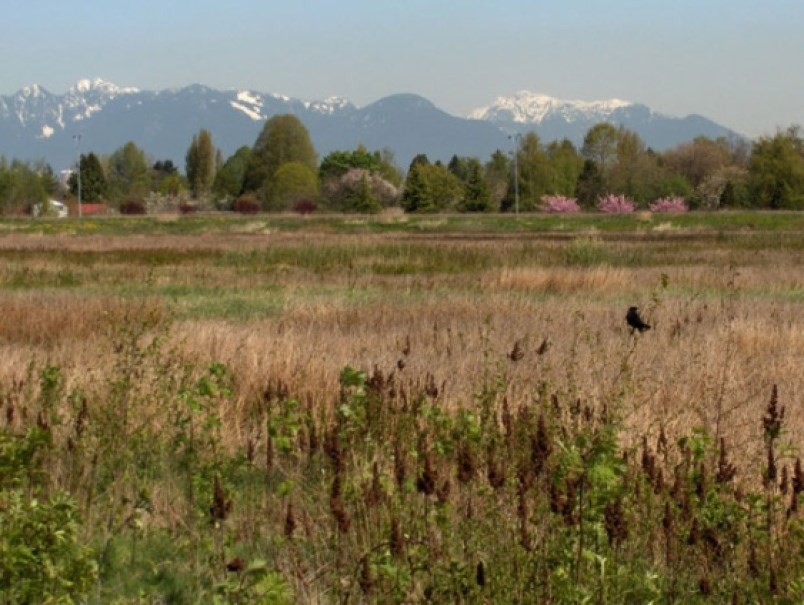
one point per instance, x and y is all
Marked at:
(517, 138)
(77, 138)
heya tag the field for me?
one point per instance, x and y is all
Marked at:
(403, 409)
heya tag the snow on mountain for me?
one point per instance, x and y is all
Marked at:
(87, 97)
(100, 85)
(31, 91)
(330, 105)
(253, 104)
(35, 108)
(249, 103)
(28, 105)
(527, 107)
(247, 96)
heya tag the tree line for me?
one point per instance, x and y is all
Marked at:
(281, 172)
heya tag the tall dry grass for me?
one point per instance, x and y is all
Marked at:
(726, 317)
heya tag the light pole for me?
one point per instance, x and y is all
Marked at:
(516, 138)
(77, 138)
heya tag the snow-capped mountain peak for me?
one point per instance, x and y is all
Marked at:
(100, 85)
(527, 107)
(32, 92)
(87, 97)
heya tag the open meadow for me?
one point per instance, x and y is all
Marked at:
(403, 409)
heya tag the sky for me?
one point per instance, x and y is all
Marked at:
(737, 62)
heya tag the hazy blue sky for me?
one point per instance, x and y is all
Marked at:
(738, 62)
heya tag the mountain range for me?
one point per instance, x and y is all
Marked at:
(95, 115)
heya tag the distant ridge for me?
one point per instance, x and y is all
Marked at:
(37, 124)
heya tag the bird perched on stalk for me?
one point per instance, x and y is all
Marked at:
(635, 321)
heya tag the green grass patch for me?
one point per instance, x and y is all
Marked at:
(455, 223)
(196, 302)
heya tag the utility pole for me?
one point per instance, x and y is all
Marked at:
(77, 138)
(517, 138)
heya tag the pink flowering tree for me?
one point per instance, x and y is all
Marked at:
(615, 204)
(669, 204)
(559, 204)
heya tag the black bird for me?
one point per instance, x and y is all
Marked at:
(635, 321)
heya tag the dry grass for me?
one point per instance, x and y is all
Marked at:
(726, 328)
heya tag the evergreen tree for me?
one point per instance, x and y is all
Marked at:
(165, 177)
(94, 186)
(414, 196)
(590, 184)
(431, 188)
(728, 199)
(165, 166)
(476, 192)
(459, 166)
(417, 160)
(363, 200)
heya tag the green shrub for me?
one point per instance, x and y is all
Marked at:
(42, 557)
(247, 204)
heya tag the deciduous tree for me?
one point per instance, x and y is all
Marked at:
(535, 175)
(498, 176)
(231, 176)
(128, 173)
(292, 182)
(359, 180)
(776, 170)
(566, 165)
(200, 164)
(697, 159)
(22, 186)
(600, 145)
(283, 139)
